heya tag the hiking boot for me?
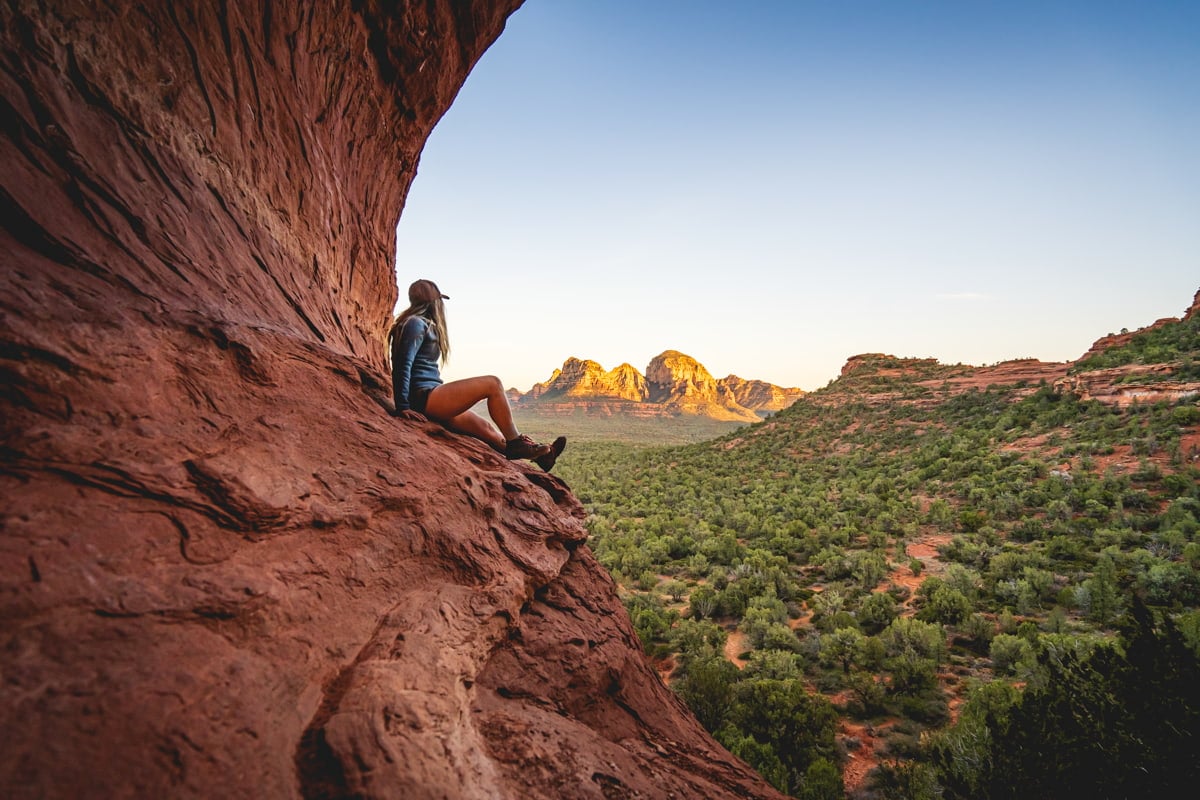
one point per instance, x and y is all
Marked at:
(547, 461)
(524, 447)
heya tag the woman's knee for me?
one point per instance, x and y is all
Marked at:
(494, 385)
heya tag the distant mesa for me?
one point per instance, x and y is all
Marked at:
(878, 378)
(674, 384)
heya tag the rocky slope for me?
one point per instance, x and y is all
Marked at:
(1118, 339)
(759, 395)
(879, 378)
(674, 384)
(226, 570)
(1134, 383)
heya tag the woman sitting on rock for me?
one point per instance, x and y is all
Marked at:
(418, 342)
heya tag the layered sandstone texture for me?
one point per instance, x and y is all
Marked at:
(225, 569)
(674, 384)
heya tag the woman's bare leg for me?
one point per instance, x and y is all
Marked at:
(450, 400)
(472, 424)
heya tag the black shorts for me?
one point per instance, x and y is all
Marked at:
(417, 398)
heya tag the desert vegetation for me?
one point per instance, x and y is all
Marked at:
(925, 591)
(581, 426)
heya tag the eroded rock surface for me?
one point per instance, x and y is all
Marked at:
(225, 569)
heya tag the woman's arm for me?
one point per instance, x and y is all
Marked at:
(404, 350)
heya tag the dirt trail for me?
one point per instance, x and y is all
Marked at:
(804, 619)
(735, 645)
(861, 739)
(860, 759)
(925, 549)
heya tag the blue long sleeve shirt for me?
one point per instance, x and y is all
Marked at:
(415, 357)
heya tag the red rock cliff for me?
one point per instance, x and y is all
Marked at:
(225, 570)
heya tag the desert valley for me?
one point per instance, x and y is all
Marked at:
(930, 551)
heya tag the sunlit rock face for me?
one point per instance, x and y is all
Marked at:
(759, 395)
(674, 384)
(681, 382)
(584, 378)
(627, 383)
(673, 374)
(226, 570)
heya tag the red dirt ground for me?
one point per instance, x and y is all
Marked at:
(735, 645)
(860, 761)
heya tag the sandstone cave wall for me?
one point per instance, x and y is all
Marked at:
(245, 160)
(225, 570)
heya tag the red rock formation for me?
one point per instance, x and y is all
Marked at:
(674, 384)
(538, 389)
(676, 375)
(1132, 383)
(681, 383)
(759, 395)
(585, 378)
(881, 362)
(628, 383)
(1122, 338)
(1028, 371)
(226, 571)
(878, 379)
(1118, 385)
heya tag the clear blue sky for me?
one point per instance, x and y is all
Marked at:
(772, 187)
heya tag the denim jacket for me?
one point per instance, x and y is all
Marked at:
(415, 357)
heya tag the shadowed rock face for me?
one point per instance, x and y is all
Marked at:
(225, 569)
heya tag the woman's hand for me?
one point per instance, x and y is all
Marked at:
(412, 416)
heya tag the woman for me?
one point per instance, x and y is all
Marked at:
(418, 341)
